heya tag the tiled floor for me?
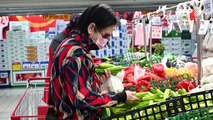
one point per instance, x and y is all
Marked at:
(9, 98)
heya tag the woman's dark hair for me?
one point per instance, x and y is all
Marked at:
(73, 24)
(101, 14)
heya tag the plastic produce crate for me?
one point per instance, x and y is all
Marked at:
(170, 108)
(199, 114)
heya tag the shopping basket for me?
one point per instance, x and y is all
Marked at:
(169, 108)
(31, 106)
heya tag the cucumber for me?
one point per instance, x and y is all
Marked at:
(140, 95)
(142, 104)
(114, 70)
(150, 97)
(166, 94)
(105, 65)
(159, 100)
(99, 71)
(105, 59)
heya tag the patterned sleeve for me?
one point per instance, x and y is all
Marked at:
(79, 85)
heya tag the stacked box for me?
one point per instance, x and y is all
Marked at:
(118, 44)
(42, 51)
(3, 55)
(19, 26)
(31, 53)
(16, 42)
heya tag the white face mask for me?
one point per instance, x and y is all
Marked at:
(101, 42)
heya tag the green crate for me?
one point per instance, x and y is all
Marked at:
(199, 114)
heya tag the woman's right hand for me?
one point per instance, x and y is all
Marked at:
(130, 96)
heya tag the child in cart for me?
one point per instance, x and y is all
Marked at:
(75, 92)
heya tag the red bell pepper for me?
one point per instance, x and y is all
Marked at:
(158, 69)
(143, 86)
(185, 84)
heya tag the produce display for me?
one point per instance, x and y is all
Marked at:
(155, 81)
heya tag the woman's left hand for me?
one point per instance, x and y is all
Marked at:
(104, 77)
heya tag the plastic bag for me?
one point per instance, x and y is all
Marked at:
(207, 65)
(113, 84)
(206, 79)
(120, 75)
(138, 72)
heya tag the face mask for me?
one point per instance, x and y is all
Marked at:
(101, 42)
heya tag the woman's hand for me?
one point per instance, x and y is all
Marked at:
(130, 96)
(104, 77)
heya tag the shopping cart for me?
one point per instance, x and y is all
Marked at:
(31, 105)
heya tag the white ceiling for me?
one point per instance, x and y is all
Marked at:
(10, 7)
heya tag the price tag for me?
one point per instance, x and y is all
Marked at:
(123, 22)
(139, 34)
(115, 33)
(157, 32)
(204, 24)
(177, 27)
(184, 25)
(156, 21)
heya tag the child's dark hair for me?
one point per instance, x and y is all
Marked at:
(101, 14)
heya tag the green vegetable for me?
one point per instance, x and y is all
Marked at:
(150, 97)
(105, 65)
(144, 63)
(142, 104)
(151, 102)
(114, 70)
(159, 100)
(118, 110)
(156, 58)
(158, 48)
(182, 91)
(99, 71)
(140, 95)
(159, 91)
(131, 104)
(166, 94)
(174, 94)
(152, 90)
(105, 59)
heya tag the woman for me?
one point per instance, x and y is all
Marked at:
(70, 31)
(74, 86)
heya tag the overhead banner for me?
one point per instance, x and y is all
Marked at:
(57, 17)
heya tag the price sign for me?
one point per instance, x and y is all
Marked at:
(208, 6)
(156, 32)
(204, 25)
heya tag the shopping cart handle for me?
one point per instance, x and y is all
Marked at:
(38, 78)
